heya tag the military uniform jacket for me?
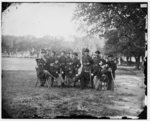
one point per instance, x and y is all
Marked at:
(87, 63)
(112, 65)
(42, 62)
(76, 64)
(56, 69)
(50, 63)
(62, 61)
(70, 70)
(96, 64)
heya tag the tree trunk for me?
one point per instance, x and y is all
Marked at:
(127, 58)
(130, 58)
(137, 62)
(120, 61)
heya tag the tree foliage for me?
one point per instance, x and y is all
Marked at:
(26, 43)
(122, 25)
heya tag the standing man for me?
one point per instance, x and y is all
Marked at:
(42, 68)
(85, 76)
(76, 62)
(111, 63)
(111, 70)
(43, 58)
(62, 62)
(50, 65)
(76, 65)
(96, 68)
(70, 71)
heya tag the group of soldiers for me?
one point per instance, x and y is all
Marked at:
(73, 70)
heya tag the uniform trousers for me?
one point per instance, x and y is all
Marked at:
(84, 78)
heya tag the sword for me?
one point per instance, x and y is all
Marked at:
(49, 73)
(113, 80)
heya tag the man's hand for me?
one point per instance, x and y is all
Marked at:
(101, 63)
(51, 64)
(109, 69)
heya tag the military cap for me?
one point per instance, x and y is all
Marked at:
(110, 55)
(43, 51)
(86, 50)
(76, 54)
(98, 52)
(54, 52)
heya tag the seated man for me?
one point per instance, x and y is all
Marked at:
(69, 70)
(51, 65)
(56, 73)
(96, 69)
(62, 62)
(42, 72)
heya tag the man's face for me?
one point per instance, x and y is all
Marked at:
(97, 54)
(110, 58)
(62, 54)
(86, 53)
(74, 56)
(71, 55)
(68, 55)
(42, 54)
(56, 61)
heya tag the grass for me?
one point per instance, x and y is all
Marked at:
(20, 99)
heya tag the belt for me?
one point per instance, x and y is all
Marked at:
(87, 71)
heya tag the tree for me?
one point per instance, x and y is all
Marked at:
(126, 21)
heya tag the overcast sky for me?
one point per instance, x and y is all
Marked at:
(39, 19)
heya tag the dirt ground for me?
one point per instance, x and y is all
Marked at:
(20, 99)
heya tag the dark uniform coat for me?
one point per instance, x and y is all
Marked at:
(54, 68)
(87, 63)
(70, 70)
(76, 64)
(85, 75)
(110, 74)
(62, 62)
(113, 66)
(41, 71)
(97, 63)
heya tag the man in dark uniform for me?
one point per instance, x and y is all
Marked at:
(43, 58)
(41, 63)
(68, 59)
(76, 64)
(70, 71)
(62, 62)
(85, 76)
(111, 63)
(96, 67)
(51, 65)
(111, 70)
(56, 72)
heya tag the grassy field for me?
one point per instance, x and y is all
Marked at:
(20, 99)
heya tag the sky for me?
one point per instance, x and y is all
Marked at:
(39, 19)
